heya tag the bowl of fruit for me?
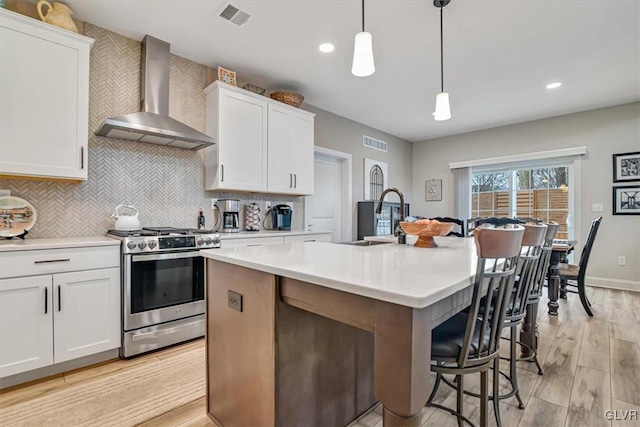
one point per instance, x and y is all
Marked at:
(426, 230)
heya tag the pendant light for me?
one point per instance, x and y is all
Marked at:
(363, 65)
(443, 110)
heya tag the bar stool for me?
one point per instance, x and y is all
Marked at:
(469, 342)
(536, 291)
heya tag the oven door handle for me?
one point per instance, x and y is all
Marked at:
(156, 334)
(159, 257)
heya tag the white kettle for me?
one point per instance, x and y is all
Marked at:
(126, 221)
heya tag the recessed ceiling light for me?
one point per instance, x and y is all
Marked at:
(326, 47)
(554, 85)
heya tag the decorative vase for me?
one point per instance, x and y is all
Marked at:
(57, 14)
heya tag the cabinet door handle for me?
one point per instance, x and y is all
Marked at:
(59, 298)
(290, 180)
(295, 180)
(46, 300)
(221, 173)
(82, 157)
(48, 261)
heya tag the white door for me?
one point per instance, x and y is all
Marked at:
(325, 206)
(86, 313)
(26, 324)
(242, 142)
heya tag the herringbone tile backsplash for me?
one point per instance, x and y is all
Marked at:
(165, 184)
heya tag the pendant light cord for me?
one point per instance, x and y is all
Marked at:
(441, 54)
(363, 16)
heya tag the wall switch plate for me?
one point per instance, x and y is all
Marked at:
(622, 260)
(234, 300)
(267, 205)
(5, 193)
(597, 207)
(213, 203)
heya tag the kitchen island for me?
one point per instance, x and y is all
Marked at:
(315, 333)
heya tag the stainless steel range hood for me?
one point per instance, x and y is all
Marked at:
(153, 124)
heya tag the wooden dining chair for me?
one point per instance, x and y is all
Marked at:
(469, 342)
(577, 273)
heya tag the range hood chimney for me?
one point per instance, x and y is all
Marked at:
(153, 124)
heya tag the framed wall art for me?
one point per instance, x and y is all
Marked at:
(433, 190)
(626, 167)
(626, 200)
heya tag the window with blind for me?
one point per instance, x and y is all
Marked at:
(535, 192)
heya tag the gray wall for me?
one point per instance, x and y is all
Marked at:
(604, 132)
(341, 134)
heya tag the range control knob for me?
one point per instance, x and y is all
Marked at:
(209, 240)
(152, 244)
(142, 244)
(216, 240)
(132, 245)
(200, 241)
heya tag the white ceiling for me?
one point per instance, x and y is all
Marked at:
(499, 54)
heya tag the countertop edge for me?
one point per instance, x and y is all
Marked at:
(269, 233)
(56, 243)
(408, 301)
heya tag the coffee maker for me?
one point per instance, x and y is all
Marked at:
(281, 216)
(230, 211)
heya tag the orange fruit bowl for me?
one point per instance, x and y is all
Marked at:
(426, 231)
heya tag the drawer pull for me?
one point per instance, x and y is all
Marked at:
(49, 261)
(310, 240)
(258, 244)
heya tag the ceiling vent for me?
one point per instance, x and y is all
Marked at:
(234, 15)
(376, 144)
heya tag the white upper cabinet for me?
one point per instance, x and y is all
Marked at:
(290, 151)
(238, 159)
(261, 145)
(44, 99)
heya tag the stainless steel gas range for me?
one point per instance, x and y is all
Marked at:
(163, 286)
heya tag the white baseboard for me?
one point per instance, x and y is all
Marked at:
(604, 282)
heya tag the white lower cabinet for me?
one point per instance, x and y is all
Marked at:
(26, 324)
(86, 313)
(60, 316)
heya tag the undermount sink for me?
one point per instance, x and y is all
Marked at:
(366, 243)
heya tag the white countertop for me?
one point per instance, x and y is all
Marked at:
(269, 233)
(401, 274)
(56, 243)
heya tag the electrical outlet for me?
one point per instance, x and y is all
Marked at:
(597, 207)
(267, 205)
(622, 260)
(5, 193)
(213, 203)
(234, 300)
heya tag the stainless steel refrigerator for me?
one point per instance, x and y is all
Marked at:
(372, 224)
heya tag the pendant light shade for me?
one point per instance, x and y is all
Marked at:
(363, 64)
(443, 111)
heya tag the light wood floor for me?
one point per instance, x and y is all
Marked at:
(591, 365)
